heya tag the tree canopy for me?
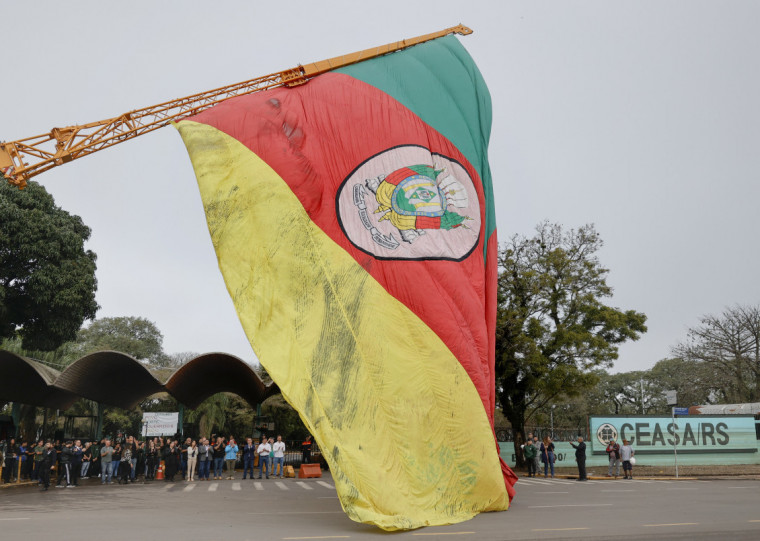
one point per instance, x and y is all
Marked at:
(47, 278)
(135, 336)
(729, 344)
(553, 330)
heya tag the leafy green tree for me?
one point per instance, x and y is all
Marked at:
(47, 278)
(553, 330)
(695, 382)
(135, 336)
(211, 415)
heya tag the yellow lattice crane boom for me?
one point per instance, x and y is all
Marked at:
(23, 159)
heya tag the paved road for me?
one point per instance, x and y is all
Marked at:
(293, 509)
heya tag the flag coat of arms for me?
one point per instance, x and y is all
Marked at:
(353, 221)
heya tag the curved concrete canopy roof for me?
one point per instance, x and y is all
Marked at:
(109, 377)
(29, 382)
(117, 379)
(213, 373)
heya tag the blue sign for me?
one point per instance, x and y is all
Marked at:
(681, 411)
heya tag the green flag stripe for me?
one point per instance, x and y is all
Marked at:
(441, 84)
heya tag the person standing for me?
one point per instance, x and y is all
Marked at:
(183, 457)
(580, 458)
(263, 451)
(626, 454)
(125, 466)
(230, 456)
(171, 460)
(530, 452)
(65, 464)
(150, 460)
(278, 449)
(106, 462)
(10, 461)
(249, 456)
(38, 451)
(86, 460)
(306, 450)
(218, 457)
(547, 455)
(77, 453)
(205, 457)
(46, 464)
(192, 459)
(613, 452)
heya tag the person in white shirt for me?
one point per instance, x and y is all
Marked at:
(279, 456)
(263, 451)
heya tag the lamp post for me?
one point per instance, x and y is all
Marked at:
(552, 419)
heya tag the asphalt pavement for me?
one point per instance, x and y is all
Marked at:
(304, 509)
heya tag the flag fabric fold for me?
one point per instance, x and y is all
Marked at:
(353, 222)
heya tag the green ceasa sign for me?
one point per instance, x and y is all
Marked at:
(698, 439)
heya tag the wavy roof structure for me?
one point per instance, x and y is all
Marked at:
(117, 379)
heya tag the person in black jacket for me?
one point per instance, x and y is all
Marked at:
(47, 463)
(11, 456)
(171, 460)
(580, 458)
(64, 462)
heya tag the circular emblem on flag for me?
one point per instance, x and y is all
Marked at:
(605, 433)
(409, 203)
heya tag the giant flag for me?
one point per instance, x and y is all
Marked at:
(354, 224)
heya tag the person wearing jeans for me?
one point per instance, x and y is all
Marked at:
(106, 464)
(218, 457)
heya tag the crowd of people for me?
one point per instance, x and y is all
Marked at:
(536, 451)
(123, 460)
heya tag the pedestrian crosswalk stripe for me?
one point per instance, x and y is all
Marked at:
(235, 486)
(212, 487)
(258, 485)
(282, 485)
(325, 484)
(304, 485)
(188, 488)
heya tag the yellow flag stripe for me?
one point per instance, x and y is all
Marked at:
(395, 414)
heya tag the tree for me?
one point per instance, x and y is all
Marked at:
(694, 381)
(47, 278)
(552, 328)
(730, 345)
(135, 336)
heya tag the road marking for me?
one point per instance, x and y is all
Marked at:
(212, 487)
(552, 493)
(673, 524)
(300, 513)
(444, 533)
(572, 505)
(325, 484)
(321, 537)
(744, 487)
(681, 488)
(27, 518)
(620, 490)
(236, 486)
(754, 521)
(258, 485)
(281, 485)
(188, 488)
(304, 485)
(556, 529)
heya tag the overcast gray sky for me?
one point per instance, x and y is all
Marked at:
(641, 117)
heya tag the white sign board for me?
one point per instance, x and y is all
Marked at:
(671, 397)
(160, 423)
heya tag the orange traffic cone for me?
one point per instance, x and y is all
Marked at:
(160, 472)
